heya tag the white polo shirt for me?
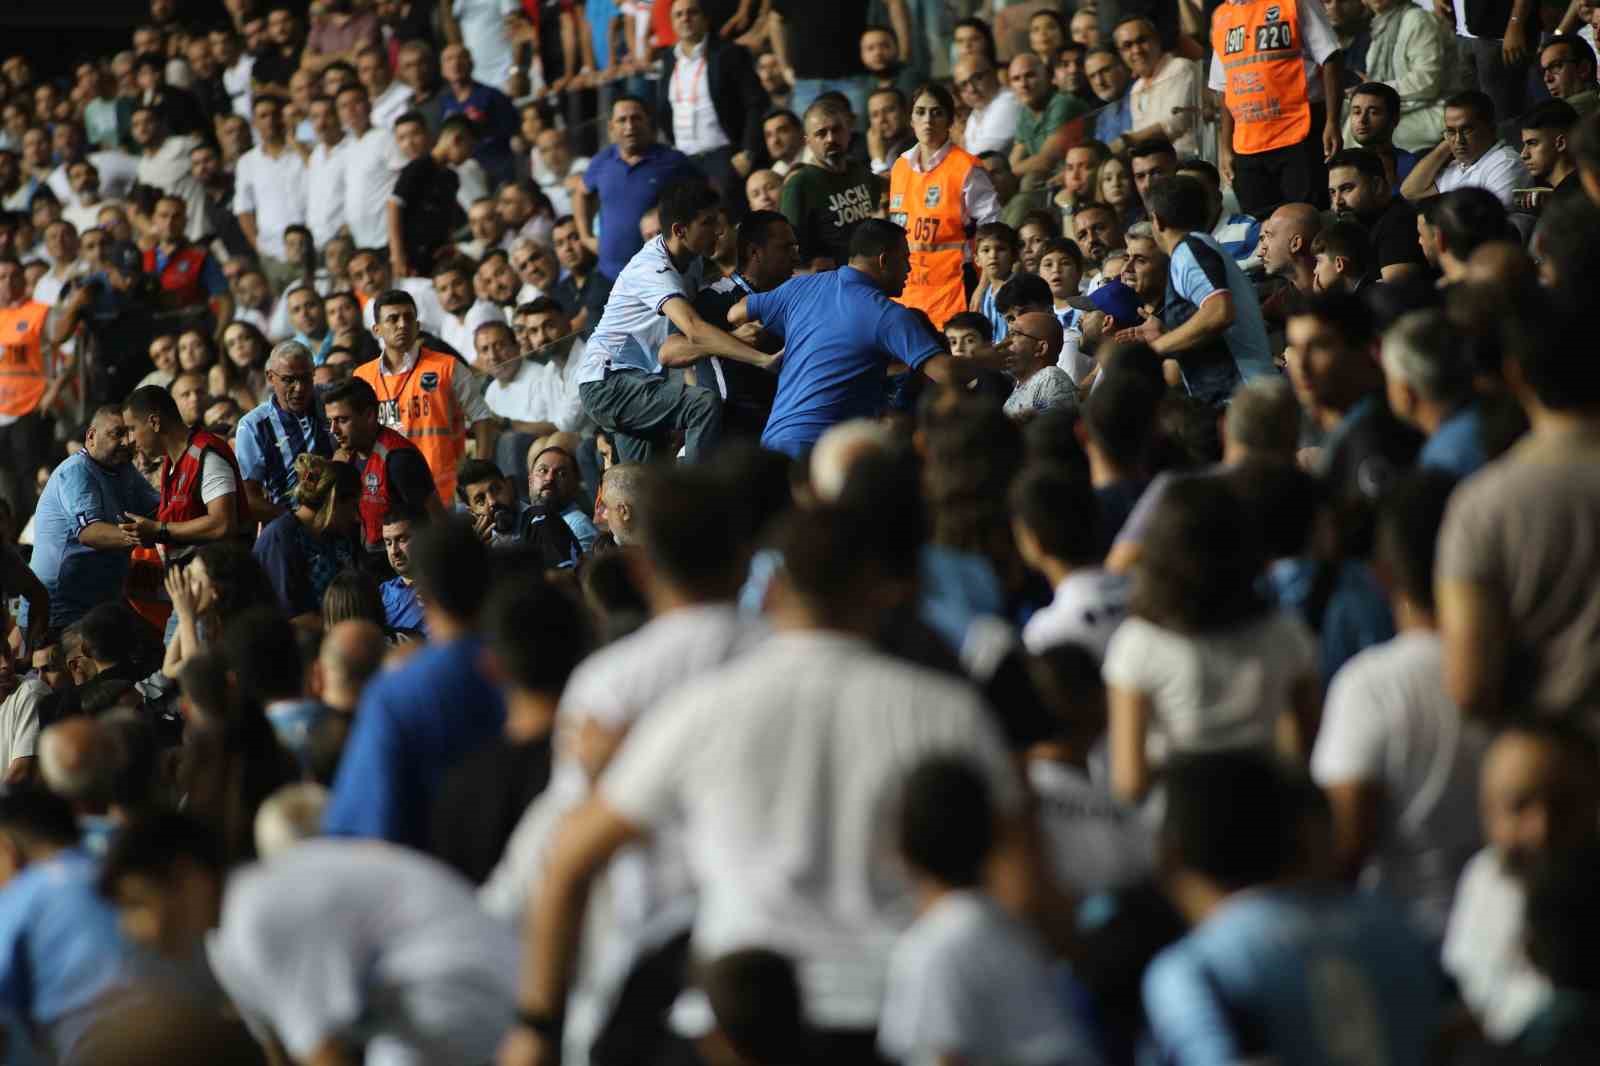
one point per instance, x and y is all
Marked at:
(632, 329)
(784, 773)
(371, 167)
(992, 127)
(367, 943)
(325, 198)
(1499, 170)
(274, 190)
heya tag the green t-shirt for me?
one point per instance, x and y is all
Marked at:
(824, 207)
(1032, 130)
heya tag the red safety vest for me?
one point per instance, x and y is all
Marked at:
(375, 483)
(180, 278)
(180, 481)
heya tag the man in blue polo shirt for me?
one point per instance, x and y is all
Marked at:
(620, 381)
(80, 552)
(1210, 330)
(626, 178)
(841, 328)
(271, 436)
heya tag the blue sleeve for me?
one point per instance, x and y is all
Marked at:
(81, 502)
(366, 800)
(582, 528)
(770, 308)
(589, 176)
(1197, 272)
(14, 921)
(247, 450)
(906, 336)
(1186, 1018)
(503, 120)
(211, 277)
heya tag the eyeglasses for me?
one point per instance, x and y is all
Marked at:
(1556, 67)
(290, 379)
(1464, 133)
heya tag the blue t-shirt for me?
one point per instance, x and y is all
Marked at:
(267, 441)
(1115, 119)
(79, 493)
(1316, 977)
(60, 948)
(627, 192)
(839, 332)
(494, 117)
(582, 528)
(414, 723)
(1456, 447)
(401, 607)
(1199, 269)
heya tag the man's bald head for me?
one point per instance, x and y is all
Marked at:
(78, 761)
(1286, 238)
(1042, 327)
(352, 652)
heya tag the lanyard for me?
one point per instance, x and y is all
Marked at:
(394, 397)
(692, 99)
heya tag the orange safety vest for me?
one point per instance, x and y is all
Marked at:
(22, 374)
(420, 406)
(1260, 47)
(928, 204)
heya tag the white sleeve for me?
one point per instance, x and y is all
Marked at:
(216, 478)
(1350, 742)
(1216, 81)
(644, 780)
(244, 193)
(1317, 39)
(978, 198)
(1130, 655)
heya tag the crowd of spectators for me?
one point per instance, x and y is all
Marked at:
(755, 532)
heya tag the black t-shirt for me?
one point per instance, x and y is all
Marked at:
(750, 389)
(275, 67)
(824, 36)
(410, 480)
(429, 212)
(1394, 235)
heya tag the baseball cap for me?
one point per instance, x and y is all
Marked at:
(1114, 298)
(126, 257)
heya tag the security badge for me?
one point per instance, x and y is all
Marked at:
(930, 196)
(1272, 14)
(372, 484)
(896, 201)
(429, 381)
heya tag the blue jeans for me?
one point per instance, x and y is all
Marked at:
(806, 91)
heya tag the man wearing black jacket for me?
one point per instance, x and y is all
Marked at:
(709, 101)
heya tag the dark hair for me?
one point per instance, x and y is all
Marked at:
(149, 400)
(1346, 312)
(889, 90)
(687, 527)
(1201, 558)
(1563, 926)
(542, 305)
(873, 237)
(1554, 114)
(1154, 146)
(1062, 246)
(1539, 339)
(755, 998)
(352, 594)
(684, 201)
(1067, 678)
(1039, 216)
(398, 297)
(1230, 816)
(1363, 161)
(756, 230)
(1578, 51)
(1468, 217)
(1058, 507)
(1053, 15)
(630, 98)
(451, 568)
(537, 632)
(264, 654)
(1195, 165)
(1409, 516)
(1051, 439)
(151, 847)
(1479, 103)
(1282, 501)
(109, 632)
(1386, 93)
(1349, 241)
(475, 472)
(1120, 415)
(236, 577)
(1179, 202)
(998, 231)
(39, 815)
(947, 821)
(453, 264)
(783, 113)
(944, 97)
(1023, 289)
(354, 392)
(972, 320)
(984, 31)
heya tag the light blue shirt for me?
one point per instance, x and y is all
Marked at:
(60, 948)
(633, 328)
(1456, 447)
(582, 528)
(1307, 975)
(79, 493)
(839, 332)
(267, 457)
(1201, 268)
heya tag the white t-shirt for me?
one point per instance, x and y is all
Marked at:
(19, 721)
(1087, 608)
(325, 198)
(483, 31)
(1094, 842)
(969, 981)
(274, 190)
(458, 331)
(1214, 690)
(391, 104)
(992, 127)
(541, 392)
(367, 942)
(784, 772)
(371, 167)
(1388, 723)
(1499, 170)
(216, 478)
(1483, 949)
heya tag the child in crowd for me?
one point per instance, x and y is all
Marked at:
(967, 982)
(1061, 267)
(1048, 510)
(967, 333)
(996, 260)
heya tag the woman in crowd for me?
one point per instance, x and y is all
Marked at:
(304, 550)
(241, 373)
(1204, 662)
(219, 580)
(197, 354)
(1113, 186)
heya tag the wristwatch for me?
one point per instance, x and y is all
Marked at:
(162, 536)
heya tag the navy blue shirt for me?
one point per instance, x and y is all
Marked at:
(494, 117)
(414, 723)
(839, 332)
(627, 191)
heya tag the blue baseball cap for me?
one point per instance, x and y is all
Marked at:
(1113, 298)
